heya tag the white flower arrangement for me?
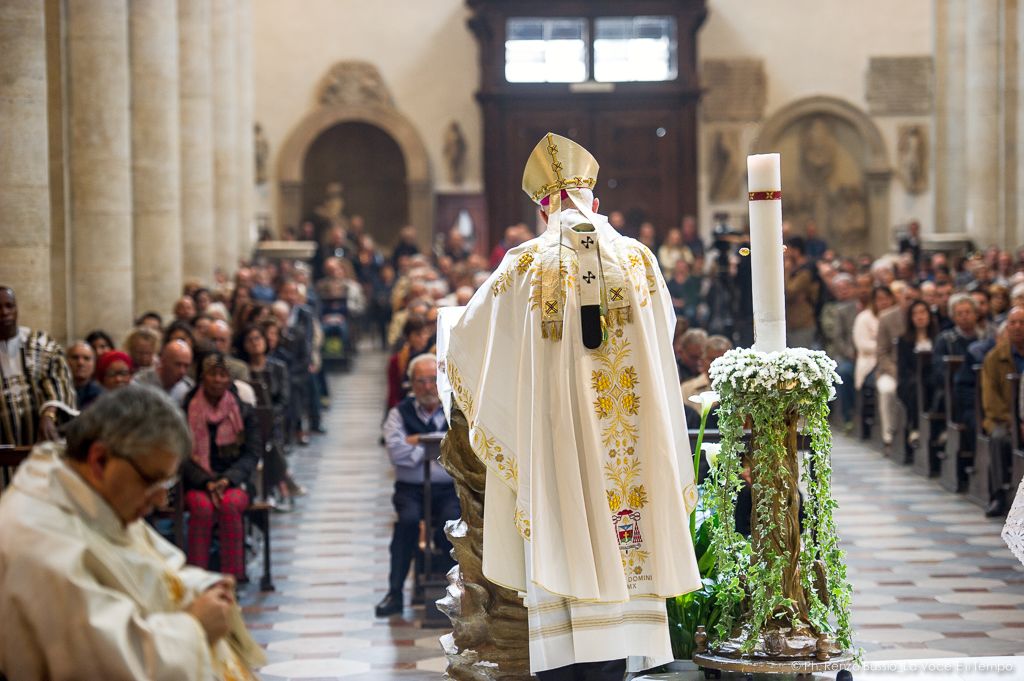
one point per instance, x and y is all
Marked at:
(743, 370)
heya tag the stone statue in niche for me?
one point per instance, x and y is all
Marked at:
(817, 151)
(455, 153)
(724, 172)
(262, 152)
(912, 150)
(354, 83)
(330, 211)
(829, 187)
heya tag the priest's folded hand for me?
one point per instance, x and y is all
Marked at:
(213, 610)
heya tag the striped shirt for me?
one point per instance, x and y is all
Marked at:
(44, 378)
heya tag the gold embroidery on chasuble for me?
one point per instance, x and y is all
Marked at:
(617, 406)
(488, 449)
(522, 523)
(524, 264)
(175, 588)
(462, 395)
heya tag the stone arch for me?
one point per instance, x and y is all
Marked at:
(354, 91)
(858, 140)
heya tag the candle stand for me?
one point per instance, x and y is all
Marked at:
(785, 591)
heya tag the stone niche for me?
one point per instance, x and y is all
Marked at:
(353, 94)
(835, 172)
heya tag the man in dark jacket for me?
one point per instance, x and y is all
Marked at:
(1006, 358)
(955, 341)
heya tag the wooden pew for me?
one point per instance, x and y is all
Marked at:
(10, 458)
(258, 513)
(865, 412)
(959, 450)
(174, 511)
(978, 471)
(929, 423)
(1016, 438)
(427, 581)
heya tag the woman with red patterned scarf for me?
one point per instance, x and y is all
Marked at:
(225, 452)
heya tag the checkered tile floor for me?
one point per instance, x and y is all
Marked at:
(932, 578)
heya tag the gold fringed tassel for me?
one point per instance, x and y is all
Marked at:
(551, 329)
(620, 316)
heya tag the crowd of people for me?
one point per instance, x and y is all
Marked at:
(255, 344)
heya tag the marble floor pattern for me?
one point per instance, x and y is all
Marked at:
(931, 576)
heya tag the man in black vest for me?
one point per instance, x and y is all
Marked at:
(416, 415)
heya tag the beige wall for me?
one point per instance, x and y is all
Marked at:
(423, 50)
(822, 47)
(816, 47)
(429, 60)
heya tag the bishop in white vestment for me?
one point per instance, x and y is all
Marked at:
(563, 366)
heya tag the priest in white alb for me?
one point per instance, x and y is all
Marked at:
(88, 590)
(563, 366)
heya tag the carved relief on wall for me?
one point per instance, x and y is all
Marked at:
(734, 90)
(261, 150)
(354, 82)
(912, 158)
(725, 168)
(823, 180)
(455, 153)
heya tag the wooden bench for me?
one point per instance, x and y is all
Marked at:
(258, 513)
(978, 471)
(711, 435)
(959, 451)
(427, 581)
(929, 423)
(864, 412)
(10, 458)
(1016, 444)
(174, 512)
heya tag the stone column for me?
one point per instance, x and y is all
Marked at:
(982, 178)
(153, 42)
(1009, 87)
(24, 168)
(1015, 237)
(56, 105)
(246, 121)
(225, 134)
(99, 166)
(950, 168)
(195, 94)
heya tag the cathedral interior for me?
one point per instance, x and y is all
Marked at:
(219, 168)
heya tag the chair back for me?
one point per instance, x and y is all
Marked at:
(953, 364)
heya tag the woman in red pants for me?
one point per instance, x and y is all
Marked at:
(225, 452)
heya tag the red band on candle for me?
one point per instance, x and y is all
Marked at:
(765, 196)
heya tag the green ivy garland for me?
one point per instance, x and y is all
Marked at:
(768, 388)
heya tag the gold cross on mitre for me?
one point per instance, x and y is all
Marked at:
(558, 163)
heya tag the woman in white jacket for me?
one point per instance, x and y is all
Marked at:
(865, 336)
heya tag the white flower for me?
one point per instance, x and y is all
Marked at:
(706, 400)
(711, 451)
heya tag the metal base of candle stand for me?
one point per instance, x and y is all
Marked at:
(780, 650)
(713, 665)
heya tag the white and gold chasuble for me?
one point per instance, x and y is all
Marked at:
(84, 597)
(589, 475)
